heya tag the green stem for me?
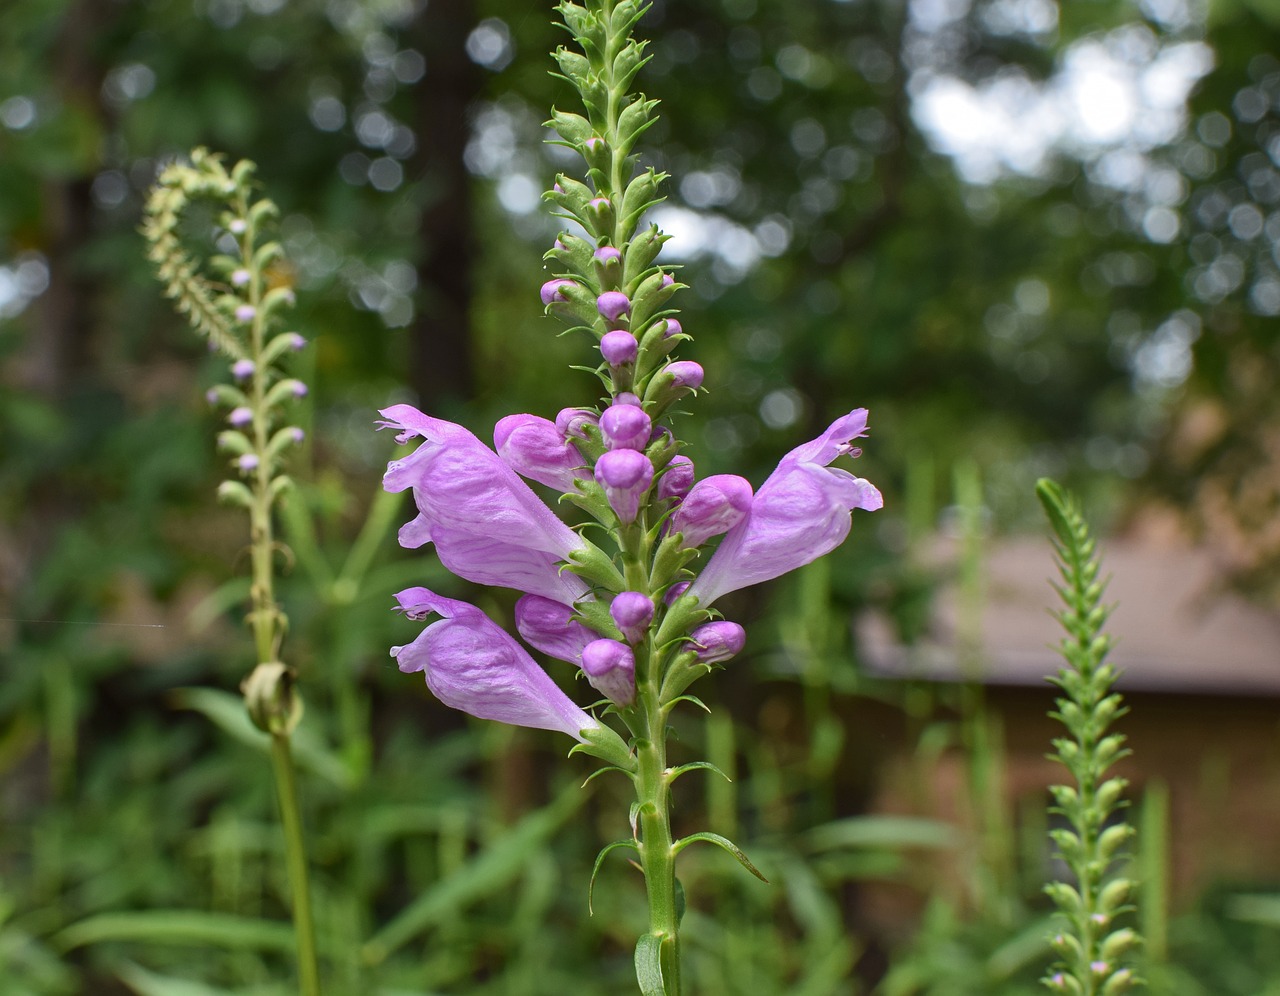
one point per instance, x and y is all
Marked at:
(296, 859)
(656, 856)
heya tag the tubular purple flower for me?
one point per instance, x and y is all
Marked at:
(487, 525)
(549, 626)
(619, 347)
(632, 612)
(473, 665)
(717, 641)
(613, 305)
(534, 448)
(625, 427)
(553, 291)
(677, 479)
(625, 475)
(610, 666)
(714, 505)
(800, 513)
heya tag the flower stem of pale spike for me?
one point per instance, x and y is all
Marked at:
(255, 400)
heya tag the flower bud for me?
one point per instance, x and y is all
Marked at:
(625, 475)
(247, 462)
(673, 328)
(627, 398)
(625, 427)
(713, 506)
(534, 448)
(239, 277)
(673, 381)
(245, 312)
(552, 292)
(242, 369)
(717, 641)
(619, 348)
(607, 257)
(675, 591)
(240, 415)
(613, 305)
(632, 612)
(549, 626)
(238, 227)
(600, 210)
(570, 422)
(610, 666)
(677, 479)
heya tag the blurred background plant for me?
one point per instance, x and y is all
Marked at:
(1032, 237)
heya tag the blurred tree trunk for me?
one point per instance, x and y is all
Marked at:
(441, 367)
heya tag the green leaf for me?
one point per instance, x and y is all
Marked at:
(179, 927)
(649, 965)
(604, 851)
(721, 842)
(705, 765)
(883, 832)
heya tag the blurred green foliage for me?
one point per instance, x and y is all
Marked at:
(1104, 314)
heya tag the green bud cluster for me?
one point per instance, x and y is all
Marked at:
(236, 305)
(615, 196)
(1091, 949)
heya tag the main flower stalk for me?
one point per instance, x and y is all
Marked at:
(634, 612)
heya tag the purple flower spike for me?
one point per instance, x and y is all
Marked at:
(245, 312)
(534, 448)
(553, 291)
(550, 627)
(625, 427)
(571, 422)
(673, 328)
(607, 255)
(714, 506)
(610, 666)
(242, 369)
(625, 475)
(613, 305)
(240, 415)
(487, 525)
(473, 665)
(677, 479)
(619, 347)
(800, 513)
(717, 641)
(632, 611)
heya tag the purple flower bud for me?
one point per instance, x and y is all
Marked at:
(610, 666)
(594, 144)
(632, 611)
(599, 205)
(619, 347)
(296, 341)
(713, 506)
(1099, 967)
(607, 255)
(559, 245)
(625, 427)
(238, 227)
(570, 422)
(211, 396)
(625, 475)
(298, 389)
(297, 435)
(673, 328)
(242, 369)
(717, 641)
(627, 398)
(675, 591)
(553, 290)
(240, 415)
(549, 626)
(686, 373)
(247, 462)
(668, 280)
(245, 312)
(613, 305)
(534, 448)
(677, 479)
(557, 188)
(239, 277)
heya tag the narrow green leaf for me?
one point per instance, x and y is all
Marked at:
(198, 927)
(722, 842)
(604, 851)
(649, 965)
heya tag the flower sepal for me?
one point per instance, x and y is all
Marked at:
(681, 673)
(681, 616)
(650, 297)
(604, 743)
(595, 566)
(639, 257)
(595, 616)
(670, 560)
